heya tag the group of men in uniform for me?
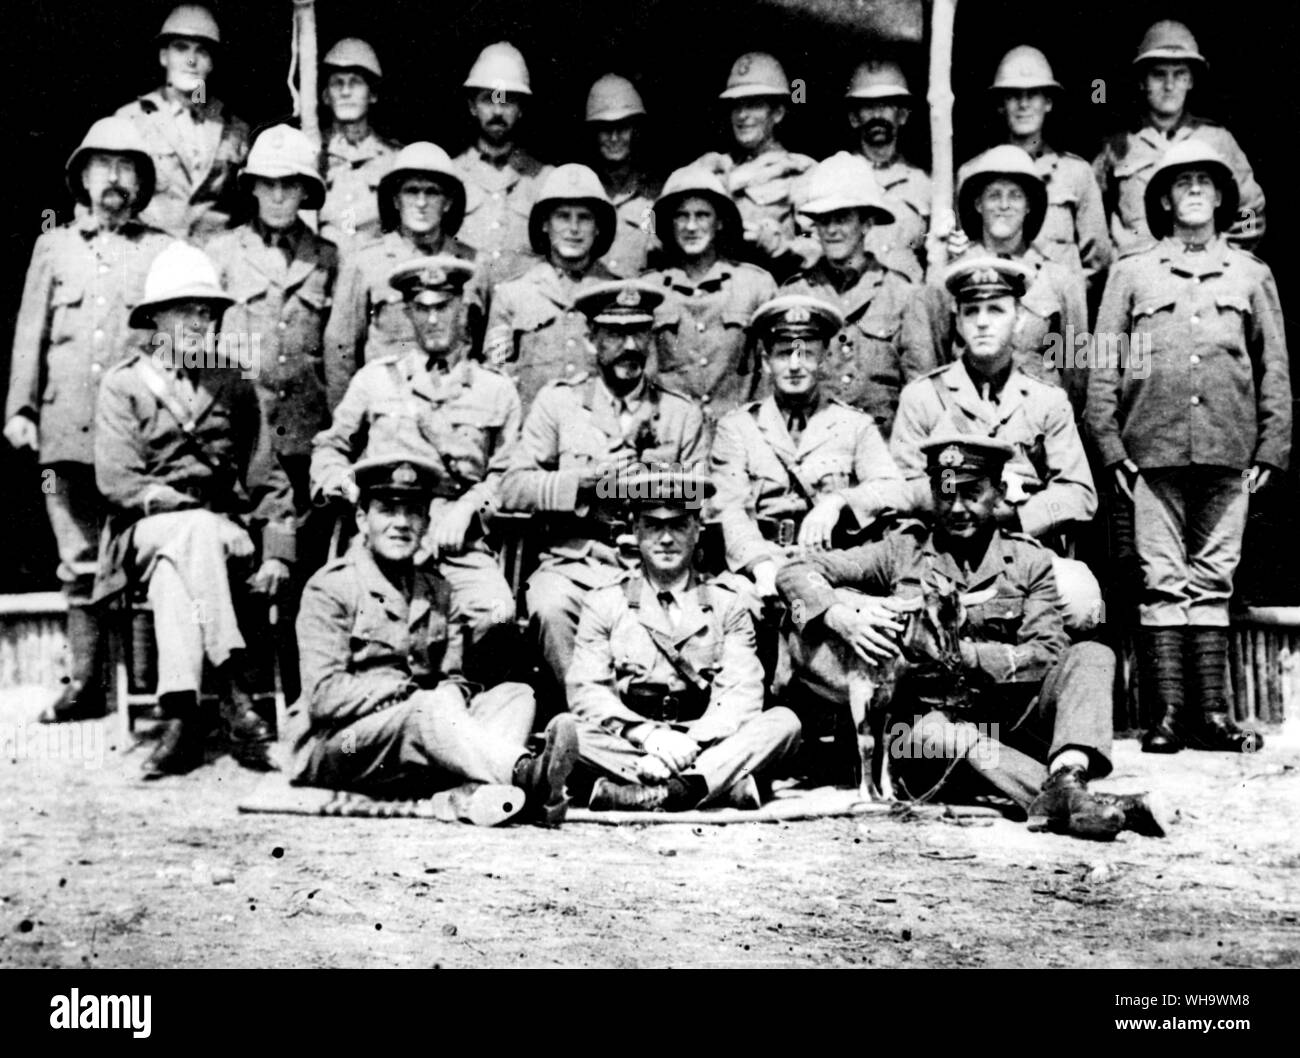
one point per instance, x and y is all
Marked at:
(764, 350)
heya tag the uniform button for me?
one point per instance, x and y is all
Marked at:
(847, 378)
(700, 326)
(570, 343)
(706, 398)
(99, 336)
(1196, 319)
(1195, 359)
(101, 301)
(496, 253)
(704, 361)
(496, 224)
(96, 368)
(1196, 400)
(283, 359)
(568, 367)
(282, 325)
(103, 268)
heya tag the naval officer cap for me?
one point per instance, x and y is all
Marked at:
(984, 278)
(652, 489)
(796, 316)
(394, 474)
(965, 457)
(620, 303)
(431, 280)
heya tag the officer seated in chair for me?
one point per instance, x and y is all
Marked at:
(665, 678)
(195, 492)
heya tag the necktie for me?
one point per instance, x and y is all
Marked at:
(795, 423)
(669, 603)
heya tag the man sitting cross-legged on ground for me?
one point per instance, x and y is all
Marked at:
(665, 677)
(384, 709)
(1015, 672)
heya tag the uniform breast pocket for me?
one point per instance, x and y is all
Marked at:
(1139, 167)
(66, 304)
(998, 619)
(769, 194)
(878, 345)
(1233, 319)
(632, 652)
(1154, 315)
(377, 638)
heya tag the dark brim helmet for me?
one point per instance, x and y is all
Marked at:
(682, 185)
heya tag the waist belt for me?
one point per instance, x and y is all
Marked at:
(656, 702)
(781, 531)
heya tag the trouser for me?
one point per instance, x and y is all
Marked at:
(183, 555)
(76, 513)
(1190, 522)
(554, 597)
(432, 741)
(1079, 594)
(760, 741)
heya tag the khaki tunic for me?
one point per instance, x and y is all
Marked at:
(350, 215)
(498, 203)
(634, 237)
(907, 192)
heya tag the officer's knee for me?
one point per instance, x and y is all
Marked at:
(1080, 594)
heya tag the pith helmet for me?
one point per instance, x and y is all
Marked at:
(181, 272)
(1190, 154)
(1169, 41)
(698, 181)
(192, 21)
(572, 183)
(353, 53)
(500, 67)
(614, 98)
(1006, 162)
(283, 151)
(430, 160)
(756, 74)
(1024, 67)
(845, 181)
(878, 79)
(120, 136)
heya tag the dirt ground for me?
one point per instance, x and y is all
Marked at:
(100, 869)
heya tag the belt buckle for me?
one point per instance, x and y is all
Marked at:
(669, 708)
(785, 531)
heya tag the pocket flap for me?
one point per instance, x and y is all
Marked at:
(1152, 306)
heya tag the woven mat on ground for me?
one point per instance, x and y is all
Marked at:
(276, 796)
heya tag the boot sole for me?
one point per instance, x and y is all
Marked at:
(480, 804)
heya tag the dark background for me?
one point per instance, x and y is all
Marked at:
(69, 63)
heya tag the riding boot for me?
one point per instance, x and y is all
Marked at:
(180, 746)
(1161, 675)
(1214, 729)
(83, 697)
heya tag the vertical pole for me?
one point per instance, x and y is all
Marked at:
(304, 13)
(942, 214)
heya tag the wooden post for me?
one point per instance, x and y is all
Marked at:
(304, 14)
(942, 214)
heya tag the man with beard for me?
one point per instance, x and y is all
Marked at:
(579, 432)
(666, 681)
(355, 156)
(867, 363)
(536, 332)
(1074, 231)
(709, 298)
(433, 401)
(386, 709)
(879, 103)
(1167, 66)
(194, 487)
(615, 115)
(73, 326)
(501, 178)
(197, 148)
(421, 206)
(1190, 433)
(1028, 714)
(757, 171)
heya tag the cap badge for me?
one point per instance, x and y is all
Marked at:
(950, 456)
(433, 277)
(985, 276)
(629, 297)
(798, 314)
(404, 474)
(743, 65)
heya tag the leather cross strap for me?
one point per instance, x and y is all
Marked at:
(693, 677)
(802, 487)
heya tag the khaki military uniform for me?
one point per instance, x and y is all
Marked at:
(1210, 398)
(1129, 159)
(71, 328)
(615, 657)
(701, 333)
(573, 424)
(186, 465)
(350, 216)
(498, 202)
(754, 460)
(197, 154)
(1074, 232)
(907, 192)
(1044, 695)
(467, 422)
(384, 709)
(1050, 338)
(762, 188)
(369, 319)
(548, 332)
(868, 362)
(634, 238)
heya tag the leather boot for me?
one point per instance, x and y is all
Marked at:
(239, 720)
(1144, 813)
(180, 747)
(610, 796)
(83, 697)
(1160, 661)
(1066, 806)
(543, 776)
(1214, 729)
